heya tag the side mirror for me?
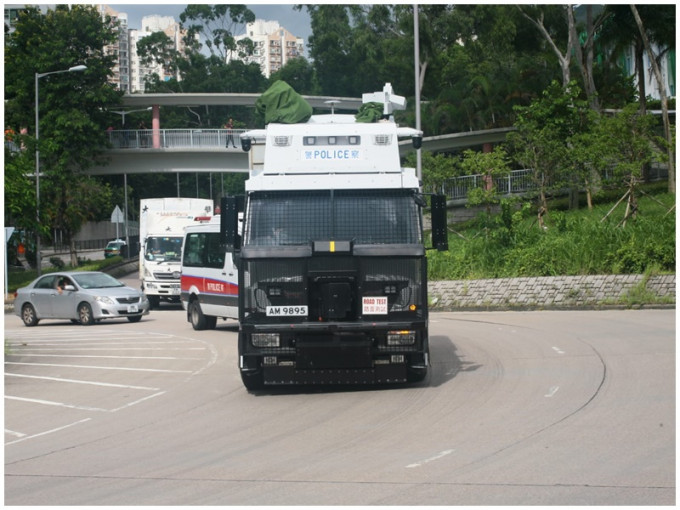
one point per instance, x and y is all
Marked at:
(69, 287)
(440, 237)
(230, 207)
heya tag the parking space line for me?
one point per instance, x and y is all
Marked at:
(56, 404)
(165, 358)
(75, 381)
(48, 432)
(130, 404)
(130, 369)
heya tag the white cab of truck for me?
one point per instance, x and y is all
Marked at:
(161, 233)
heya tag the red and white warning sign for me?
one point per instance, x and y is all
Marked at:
(374, 305)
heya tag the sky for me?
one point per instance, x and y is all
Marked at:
(296, 22)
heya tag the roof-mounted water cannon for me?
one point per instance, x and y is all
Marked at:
(388, 98)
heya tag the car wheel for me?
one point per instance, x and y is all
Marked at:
(29, 316)
(198, 320)
(135, 318)
(85, 314)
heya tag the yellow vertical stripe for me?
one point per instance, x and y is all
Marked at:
(332, 246)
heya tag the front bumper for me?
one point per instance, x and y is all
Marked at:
(111, 311)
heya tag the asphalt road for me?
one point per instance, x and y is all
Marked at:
(520, 408)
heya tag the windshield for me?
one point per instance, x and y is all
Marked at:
(365, 217)
(160, 249)
(97, 281)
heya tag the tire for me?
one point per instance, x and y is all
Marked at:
(416, 375)
(253, 381)
(198, 320)
(135, 318)
(29, 316)
(85, 314)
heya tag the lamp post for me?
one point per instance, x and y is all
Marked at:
(37, 155)
(123, 113)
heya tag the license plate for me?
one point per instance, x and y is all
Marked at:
(174, 291)
(287, 311)
(133, 309)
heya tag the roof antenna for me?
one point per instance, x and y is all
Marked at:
(332, 102)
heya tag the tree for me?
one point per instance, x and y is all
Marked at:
(330, 48)
(491, 165)
(627, 140)
(664, 98)
(72, 116)
(214, 26)
(544, 138)
(299, 74)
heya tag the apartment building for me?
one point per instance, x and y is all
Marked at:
(120, 48)
(274, 45)
(150, 25)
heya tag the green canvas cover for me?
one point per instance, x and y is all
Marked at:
(281, 104)
(369, 112)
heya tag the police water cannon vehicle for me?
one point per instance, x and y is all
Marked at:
(330, 253)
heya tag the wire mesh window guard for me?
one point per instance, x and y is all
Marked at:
(365, 217)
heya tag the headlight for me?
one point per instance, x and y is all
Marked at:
(265, 339)
(401, 337)
(105, 300)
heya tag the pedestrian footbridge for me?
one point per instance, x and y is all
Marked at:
(205, 150)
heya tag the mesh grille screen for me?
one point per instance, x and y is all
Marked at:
(366, 217)
(303, 282)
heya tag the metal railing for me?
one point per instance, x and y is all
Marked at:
(174, 138)
(521, 181)
(517, 181)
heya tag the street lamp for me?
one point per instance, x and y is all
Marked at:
(123, 113)
(37, 154)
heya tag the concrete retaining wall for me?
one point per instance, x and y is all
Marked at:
(553, 292)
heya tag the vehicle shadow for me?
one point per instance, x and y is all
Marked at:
(446, 364)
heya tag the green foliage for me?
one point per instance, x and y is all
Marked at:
(437, 169)
(576, 243)
(72, 118)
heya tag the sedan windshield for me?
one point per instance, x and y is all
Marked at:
(97, 281)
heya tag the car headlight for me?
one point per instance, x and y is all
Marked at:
(401, 337)
(105, 300)
(265, 339)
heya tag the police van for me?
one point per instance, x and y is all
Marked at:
(209, 281)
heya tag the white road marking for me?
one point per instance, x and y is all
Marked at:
(131, 369)
(56, 404)
(552, 391)
(15, 434)
(435, 457)
(558, 350)
(165, 358)
(75, 381)
(47, 432)
(130, 404)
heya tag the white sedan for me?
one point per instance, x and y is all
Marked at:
(82, 297)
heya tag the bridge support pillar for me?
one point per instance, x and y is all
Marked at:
(156, 126)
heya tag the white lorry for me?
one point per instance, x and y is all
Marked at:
(331, 257)
(161, 232)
